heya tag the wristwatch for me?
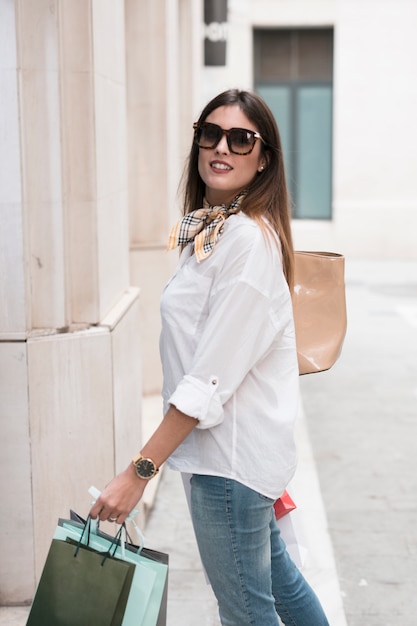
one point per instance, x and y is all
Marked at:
(145, 468)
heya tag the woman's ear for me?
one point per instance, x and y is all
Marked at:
(263, 162)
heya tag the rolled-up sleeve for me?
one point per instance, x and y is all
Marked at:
(199, 399)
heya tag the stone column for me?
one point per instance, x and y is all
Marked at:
(70, 352)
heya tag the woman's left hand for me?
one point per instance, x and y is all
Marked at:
(119, 497)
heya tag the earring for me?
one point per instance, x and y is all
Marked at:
(261, 169)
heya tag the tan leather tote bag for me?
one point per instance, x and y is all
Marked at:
(319, 304)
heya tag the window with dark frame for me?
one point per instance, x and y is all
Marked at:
(294, 75)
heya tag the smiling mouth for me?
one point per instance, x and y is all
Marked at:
(221, 166)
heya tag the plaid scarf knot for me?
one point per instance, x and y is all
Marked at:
(203, 227)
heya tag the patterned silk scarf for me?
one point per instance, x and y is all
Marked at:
(203, 226)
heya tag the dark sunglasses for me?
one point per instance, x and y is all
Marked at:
(239, 140)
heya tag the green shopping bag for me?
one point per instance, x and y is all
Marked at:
(147, 603)
(81, 586)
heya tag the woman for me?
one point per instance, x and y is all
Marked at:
(230, 367)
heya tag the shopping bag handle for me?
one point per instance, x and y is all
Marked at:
(113, 546)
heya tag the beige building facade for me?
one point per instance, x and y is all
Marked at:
(97, 100)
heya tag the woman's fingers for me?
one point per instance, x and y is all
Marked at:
(119, 497)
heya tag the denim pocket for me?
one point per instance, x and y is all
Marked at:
(266, 498)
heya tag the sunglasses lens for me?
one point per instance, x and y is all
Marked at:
(208, 135)
(241, 140)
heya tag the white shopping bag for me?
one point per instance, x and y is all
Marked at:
(293, 536)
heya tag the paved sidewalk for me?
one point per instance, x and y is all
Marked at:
(362, 421)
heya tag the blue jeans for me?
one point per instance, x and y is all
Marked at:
(250, 571)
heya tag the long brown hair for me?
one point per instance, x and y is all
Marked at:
(268, 195)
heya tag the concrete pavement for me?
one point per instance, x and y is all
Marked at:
(362, 423)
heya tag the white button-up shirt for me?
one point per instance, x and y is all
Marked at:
(229, 359)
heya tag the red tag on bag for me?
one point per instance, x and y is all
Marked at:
(284, 505)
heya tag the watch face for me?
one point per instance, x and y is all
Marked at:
(145, 468)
